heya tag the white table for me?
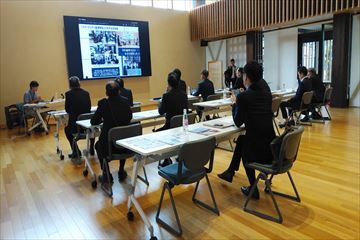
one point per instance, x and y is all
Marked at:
(159, 145)
(42, 107)
(94, 130)
(214, 106)
(284, 93)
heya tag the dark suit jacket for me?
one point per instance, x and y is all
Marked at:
(262, 84)
(205, 88)
(304, 86)
(253, 108)
(112, 112)
(228, 73)
(182, 85)
(127, 94)
(77, 101)
(239, 83)
(173, 103)
(318, 88)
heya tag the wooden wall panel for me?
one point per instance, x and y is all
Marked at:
(226, 18)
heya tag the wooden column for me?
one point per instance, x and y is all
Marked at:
(341, 59)
(254, 46)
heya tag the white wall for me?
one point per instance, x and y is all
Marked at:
(280, 58)
(355, 63)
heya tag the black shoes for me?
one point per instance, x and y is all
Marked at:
(104, 179)
(165, 162)
(246, 192)
(227, 176)
(122, 175)
(288, 123)
(92, 151)
(305, 119)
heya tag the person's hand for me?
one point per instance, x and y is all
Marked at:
(233, 98)
(241, 89)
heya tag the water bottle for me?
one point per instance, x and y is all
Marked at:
(231, 86)
(188, 90)
(283, 86)
(185, 121)
(224, 94)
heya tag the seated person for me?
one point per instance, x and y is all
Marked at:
(205, 89)
(173, 102)
(182, 83)
(113, 111)
(253, 108)
(319, 90)
(124, 91)
(294, 103)
(77, 101)
(239, 79)
(31, 96)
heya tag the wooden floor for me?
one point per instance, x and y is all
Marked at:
(43, 197)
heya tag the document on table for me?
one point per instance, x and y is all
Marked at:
(145, 143)
(204, 131)
(220, 123)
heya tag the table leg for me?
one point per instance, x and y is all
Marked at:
(138, 162)
(87, 162)
(42, 121)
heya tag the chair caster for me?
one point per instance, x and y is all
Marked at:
(47, 133)
(85, 172)
(57, 151)
(61, 157)
(94, 184)
(153, 238)
(130, 216)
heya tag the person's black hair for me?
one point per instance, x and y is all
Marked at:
(34, 83)
(74, 82)
(232, 60)
(303, 70)
(112, 89)
(177, 73)
(312, 70)
(120, 82)
(240, 69)
(254, 71)
(172, 80)
(205, 73)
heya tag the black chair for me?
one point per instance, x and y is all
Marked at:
(117, 153)
(284, 149)
(81, 134)
(136, 108)
(191, 105)
(214, 97)
(324, 103)
(304, 107)
(176, 121)
(190, 169)
(276, 101)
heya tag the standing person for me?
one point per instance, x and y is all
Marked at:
(182, 83)
(77, 101)
(319, 90)
(127, 93)
(294, 103)
(205, 89)
(113, 111)
(230, 73)
(252, 108)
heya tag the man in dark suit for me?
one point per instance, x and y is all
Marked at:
(77, 101)
(113, 111)
(182, 83)
(205, 89)
(230, 73)
(294, 103)
(173, 102)
(319, 90)
(252, 108)
(127, 93)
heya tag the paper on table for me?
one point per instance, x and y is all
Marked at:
(145, 143)
(204, 131)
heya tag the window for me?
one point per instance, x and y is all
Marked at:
(162, 4)
(310, 52)
(145, 3)
(119, 1)
(328, 44)
(182, 5)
